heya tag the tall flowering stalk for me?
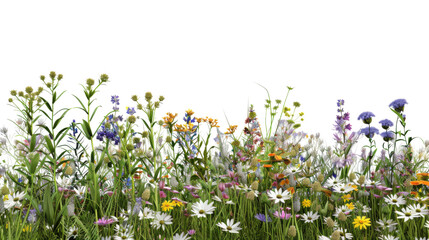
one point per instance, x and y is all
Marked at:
(345, 139)
(369, 132)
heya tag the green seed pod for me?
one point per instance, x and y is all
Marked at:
(60, 76)
(291, 232)
(148, 96)
(42, 78)
(161, 98)
(5, 190)
(139, 106)
(145, 134)
(146, 194)
(104, 78)
(13, 93)
(52, 75)
(136, 140)
(254, 185)
(130, 147)
(134, 98)
(156, 104)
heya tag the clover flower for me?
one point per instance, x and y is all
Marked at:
(369, 131)
(398, 104)
(366, 117)
(386, 123)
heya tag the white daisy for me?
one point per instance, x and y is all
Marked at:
(229, 226)
(279, 196)
(292, 170)
(182, 236)
(406, 214)
(309, 217)
(394, 200)
(344, 209)
(14, 200)
(332, 181)
(64, 182)
(200, 209)
(388, 237)
(73, 231)
(427, 224)
(386, 225)
(321, 237)
(343, 188)
(419, 210)
(146, 214)
(80, 191)
(161, 219)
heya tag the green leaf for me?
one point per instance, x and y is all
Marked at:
(32, 143)
(54, 97)
(47, 104)
(95, 110)
(49, 145)
(83, 106)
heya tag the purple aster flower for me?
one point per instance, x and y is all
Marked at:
(261, 217)
(369, 131)
(398, 104)
(115, 99)
(366, 117)
(387, 136)
(104, 221)
(386, 123)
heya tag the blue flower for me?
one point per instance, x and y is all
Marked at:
(366, 117)
(130, 111)
(398, 104)
(115, 99)
(387, 136)
(369, 131)
(386, 123)
(261, 217)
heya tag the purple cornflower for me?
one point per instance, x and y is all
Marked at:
(386, 123)
(261, 217)
(387, 136)
(191, 232)
(104, 221)
(398, 104)
(369, 131)
(366, 117)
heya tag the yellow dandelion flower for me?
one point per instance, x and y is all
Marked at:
(362, 222)
(306, 203)
(177, 203)
(167, 206)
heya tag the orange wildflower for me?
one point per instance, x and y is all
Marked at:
(291, 190)
(271, 154)
(267, 165)
(277, 157)
(415, 183)
(424, 182)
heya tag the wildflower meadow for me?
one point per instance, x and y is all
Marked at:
(144, 172)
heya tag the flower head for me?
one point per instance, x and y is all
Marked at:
(366, 117)
(201, 209)
(309, 217)
(229, 226)
(398, 104)
(386, 123)
(261, 217)
(279, 196)
(362, 222)
(104, 221)
(161, 220)
(369, 131)
(387, 136)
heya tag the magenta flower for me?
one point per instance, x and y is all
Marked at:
(162, 194)
(282, 215)
(104, 221)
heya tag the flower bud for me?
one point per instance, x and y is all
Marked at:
(132, 119)
(352, 176)
(168, 139)
(331, 207)
(250, 195)
(342, 217)
(156, 104)
(10, 100)
(306, 182)
(52, 75)
(69, 170)
(42, 78)
(336, 235)
(139, 106)
(291, 232)
(134, 98)
(146, 194)
(254, 185)
(145, 134)
(21, 93)
(90, 81)
(330, 222)
(361, 180)
(161, 98)
(148, 96)
(130, 147)
(13, 92)
(104, 77)
(5, 190)
(60, 76)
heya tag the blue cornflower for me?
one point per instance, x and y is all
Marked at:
(398, 104)
(386, 123)
(387, 136)
(115, 99)
(369, 131)
(130, 111)
(261, 217)
(366, 117)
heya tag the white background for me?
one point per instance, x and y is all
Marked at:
(209, 55)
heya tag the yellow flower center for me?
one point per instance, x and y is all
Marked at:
(201, 211)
